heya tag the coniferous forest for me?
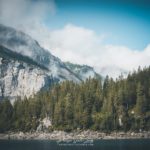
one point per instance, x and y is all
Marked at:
(109, 105)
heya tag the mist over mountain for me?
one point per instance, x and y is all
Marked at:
(83, 71)
(27, 68)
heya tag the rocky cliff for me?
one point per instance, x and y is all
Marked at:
(19, 78)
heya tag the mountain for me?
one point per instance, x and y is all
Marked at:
(82, 71)
(26, 68)
(23, 44)
(21, 76)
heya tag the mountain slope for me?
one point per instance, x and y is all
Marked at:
(23, 44)
(8, 54)
(21, 76)
(83, 71)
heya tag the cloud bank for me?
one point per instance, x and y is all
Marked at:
(84, 46)
(25, 13)
(71, 43)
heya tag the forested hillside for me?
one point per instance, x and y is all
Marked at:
(123, 104)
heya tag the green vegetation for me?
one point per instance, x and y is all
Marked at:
(120, 105)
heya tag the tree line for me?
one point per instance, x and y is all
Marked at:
(110, 105)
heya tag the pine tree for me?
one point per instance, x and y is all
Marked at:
(140, 107)
(6, 111)
(69, 109)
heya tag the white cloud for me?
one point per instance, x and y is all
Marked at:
(22, 13)
(84, 46)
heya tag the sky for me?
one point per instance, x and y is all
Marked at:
(113, 36)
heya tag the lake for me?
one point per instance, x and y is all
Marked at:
(136, 144)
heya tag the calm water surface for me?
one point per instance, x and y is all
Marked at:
(143, 144)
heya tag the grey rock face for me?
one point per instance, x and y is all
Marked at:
(21, 79)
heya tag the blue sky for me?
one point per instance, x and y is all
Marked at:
(125, 22)
(113, 36)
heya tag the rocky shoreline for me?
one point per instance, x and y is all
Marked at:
(61, 135)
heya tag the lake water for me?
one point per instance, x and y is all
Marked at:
(140, 144)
